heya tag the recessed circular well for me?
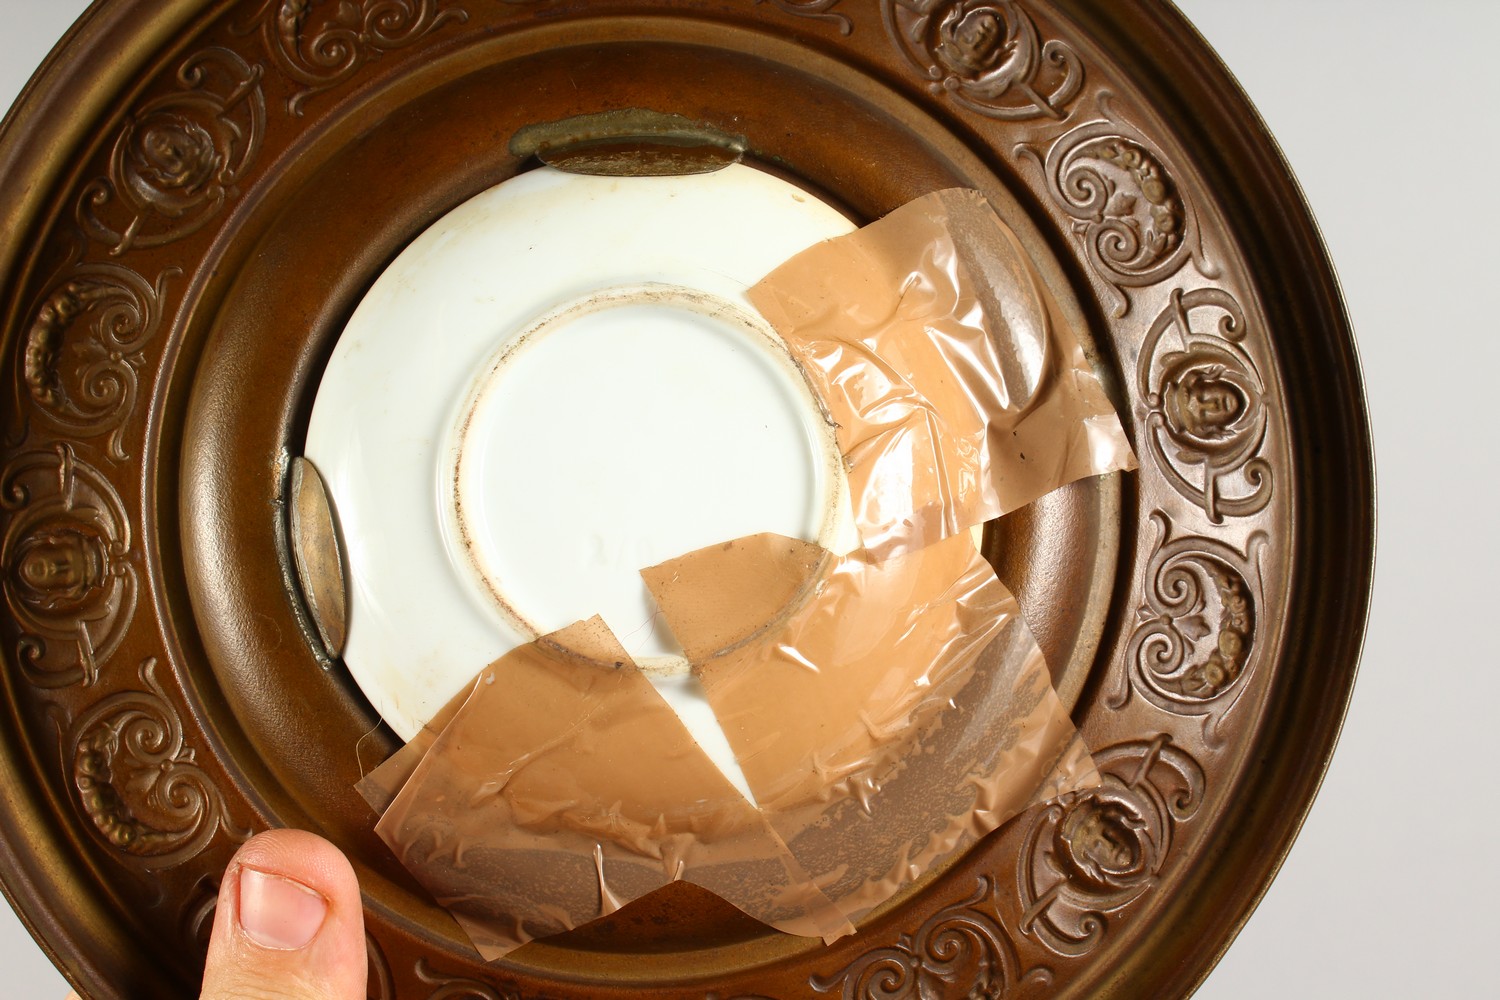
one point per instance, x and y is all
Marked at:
(624, 430)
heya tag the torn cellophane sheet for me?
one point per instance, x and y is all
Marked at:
(564, 787)
(887, 707)
(959, 390)
(891, 713)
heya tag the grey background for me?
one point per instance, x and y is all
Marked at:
(1388, 114)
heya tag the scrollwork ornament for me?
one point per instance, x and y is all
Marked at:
(817, 10)
(987, 55)
(68, 578)
(84, 346)
(1203, 401)
(379, 983)
(1135, 224)
(198, 911)
(320, 45)
(1092, 853)
(137, 782)
(453, 987)
(1195, 639)
(179, 157)
(960, 951)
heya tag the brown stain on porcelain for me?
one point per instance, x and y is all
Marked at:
(834, 493)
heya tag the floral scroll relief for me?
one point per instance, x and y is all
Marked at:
(1205, 418)
(196, 923)
(453, 987)
(1092, 853)
(137, 781)
(84, 346)
(179, 157)
(818, 10)
(322, 44)
(1195, 639)
(1134, 223)
(68, 579)
(986, 54)
(961, 950)
(379, 983)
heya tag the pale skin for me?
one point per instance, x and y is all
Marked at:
(289, 926)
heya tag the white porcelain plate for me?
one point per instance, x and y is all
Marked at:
(560, 383)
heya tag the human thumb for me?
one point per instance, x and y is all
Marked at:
(289, 924)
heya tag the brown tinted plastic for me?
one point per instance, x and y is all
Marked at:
(959, 391)
(886, 714)
(565, 787)
(888, 707)
(380, 787)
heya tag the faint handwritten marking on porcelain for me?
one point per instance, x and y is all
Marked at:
(1135, 225)
(322, 43)
(819, 10)
(1203, 400)
(85, 345)
(68, 578)
(453, 987)
(1092, 853)
(960, 951)
(177, 160)
(1195, 636)
(137, 781)
(987, 55)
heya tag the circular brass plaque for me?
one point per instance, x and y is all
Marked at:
(196, 195)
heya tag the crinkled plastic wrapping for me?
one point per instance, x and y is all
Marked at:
(889, 714)
(888, 707)
(380, 787)
(564, 787)
(959, 390)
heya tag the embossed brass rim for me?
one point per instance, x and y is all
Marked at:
(172, 279)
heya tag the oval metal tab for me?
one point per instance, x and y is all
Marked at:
(318, 555)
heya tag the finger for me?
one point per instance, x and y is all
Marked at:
(289, 924)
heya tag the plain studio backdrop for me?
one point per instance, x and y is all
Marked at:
(1389, 114)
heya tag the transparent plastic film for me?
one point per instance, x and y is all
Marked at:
(380, 787)
(886, 713)
(564, 787)
(959, 390)
(887, 706)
